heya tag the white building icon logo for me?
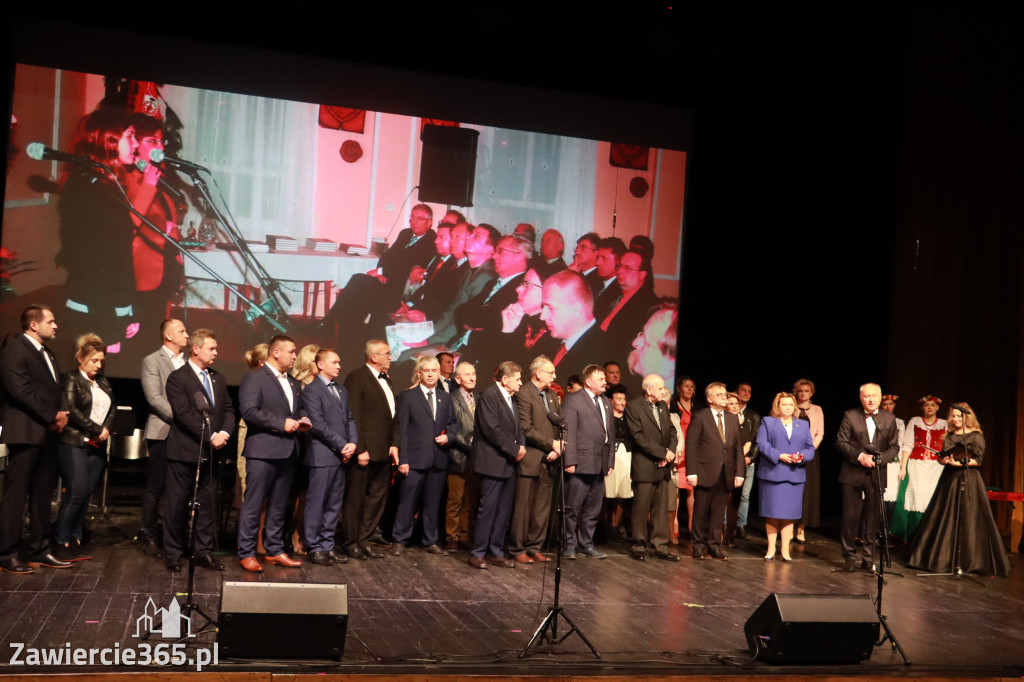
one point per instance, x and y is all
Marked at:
(164, 622)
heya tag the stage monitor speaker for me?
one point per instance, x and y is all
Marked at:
(282, 620)
(448, 165)
(813, 628)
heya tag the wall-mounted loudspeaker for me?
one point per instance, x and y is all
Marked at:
(448, 165)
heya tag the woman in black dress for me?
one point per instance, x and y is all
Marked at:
(945, 540)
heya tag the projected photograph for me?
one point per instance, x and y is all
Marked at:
(129, 202)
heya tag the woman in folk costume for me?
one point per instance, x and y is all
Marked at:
(919, 467)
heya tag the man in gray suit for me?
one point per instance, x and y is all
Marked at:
(534, 483)
(462, 494)
(588, 457)
(654, 448)
(156, 367)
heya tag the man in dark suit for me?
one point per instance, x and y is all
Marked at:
(868, 438)
(384, 285)
(372, 399)
(654, 449)
(461, 497)
(534, 483)
(498, 447)
(484, 311)
(424, 427)
(609, 252)
(332, 445)
(584, 261)
(269, 401)
(629, 311)
(156, 367)
(478, 277)
(568, 310)
(714, 466)
(549, 260)
(31, 418)
(588, 457)
(204, 419)
(446, 382)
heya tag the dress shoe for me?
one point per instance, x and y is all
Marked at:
(371, 552)
(64, 552)
(354, 552)
(451, 545)
(593, 552)
(320, 558)
(639, 555)
(501, 562)
(699, 555)
(523, 558)
(152, 549)
(14, 565)
(434, 549)
(867, 565)
(378, 539)
(79, 551)
(799, 541)
(208, 562)
(569, 554)
(850, 563)
(787, 558)
(47, 560)
(173, 565)
(477, 562)
(721, 556)
(769, 558)
(283, 559)
(398, 549)
(337, 557)
(741, 533)
(538, 557)
(252, 564)
(668, 556)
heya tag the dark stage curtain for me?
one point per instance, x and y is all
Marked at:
(957, 310)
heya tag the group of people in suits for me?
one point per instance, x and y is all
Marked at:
(492, 297)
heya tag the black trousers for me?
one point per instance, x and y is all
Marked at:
(366, 491)
(31, 475)
(181, 478)
(709, 504)
(856, 507)
(155, 482)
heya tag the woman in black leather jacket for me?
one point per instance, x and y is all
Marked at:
(91, 408)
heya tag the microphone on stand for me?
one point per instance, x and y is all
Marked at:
(557, 420)
(142, 164)
(203, 405)
(40, 152)
(158, 156)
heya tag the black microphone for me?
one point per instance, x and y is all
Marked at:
(158, 156)
(40, 152)
(556, 419)
(203, 405)
(960, 406)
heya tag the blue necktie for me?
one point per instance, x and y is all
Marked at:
(207, 387)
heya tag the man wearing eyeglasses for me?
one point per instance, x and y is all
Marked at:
(534, 401)
(371, 398)
(714, 466)
(584, 260)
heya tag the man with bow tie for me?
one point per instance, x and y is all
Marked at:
(372, 400)
(867, 439)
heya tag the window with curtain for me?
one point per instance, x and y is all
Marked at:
(545, 180)
(259, 151)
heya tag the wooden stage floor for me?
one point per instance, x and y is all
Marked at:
(436, 616)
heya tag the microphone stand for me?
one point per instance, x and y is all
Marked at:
(191, 606)
(884, 558)
(548, 628)
(123, 199)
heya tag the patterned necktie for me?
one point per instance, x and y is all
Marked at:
(207, 387)
(657, 419)
(721, 427)
(472, 403)
(334, 392)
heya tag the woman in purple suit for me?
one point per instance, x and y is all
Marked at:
(786, 446)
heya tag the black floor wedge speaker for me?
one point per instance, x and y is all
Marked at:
(282, 620)
(813, 628)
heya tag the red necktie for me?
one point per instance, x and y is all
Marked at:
(559, 355)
